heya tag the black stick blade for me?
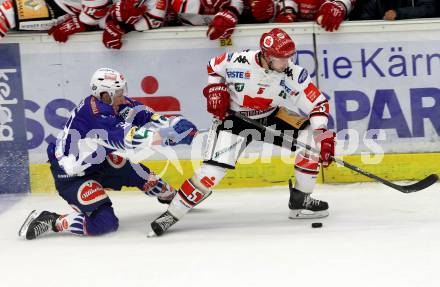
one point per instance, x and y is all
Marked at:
(424, 183)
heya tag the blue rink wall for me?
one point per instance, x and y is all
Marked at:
(14, 160)
(382, 81)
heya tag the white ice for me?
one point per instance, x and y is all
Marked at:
(374, 236)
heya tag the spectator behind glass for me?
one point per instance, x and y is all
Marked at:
(394, 9)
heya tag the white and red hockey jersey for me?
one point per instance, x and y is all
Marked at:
(258, 91)
(44, 15)
(201, 12)
(154, 17)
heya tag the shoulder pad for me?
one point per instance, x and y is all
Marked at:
(242, 57)
(296, 73)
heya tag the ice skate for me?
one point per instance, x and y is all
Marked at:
(302, 205)
(36, 224)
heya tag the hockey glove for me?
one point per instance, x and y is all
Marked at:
(330, 15)
(219, 99)
(263, 10)
(327, 140)
(222, 26)
(69, 25)
(126, 11)
(112, 35)
(180, 131)
(139, 136)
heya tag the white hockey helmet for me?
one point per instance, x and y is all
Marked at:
(109, 81)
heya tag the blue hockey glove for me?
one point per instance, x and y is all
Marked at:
(180, 131)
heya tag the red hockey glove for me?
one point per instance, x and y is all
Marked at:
(330, 15)
(68, 26)
(218, 98)
(285, 17)
(222, 26)
(327, 140)
(262, 10)
(112, 36)
(126, 11)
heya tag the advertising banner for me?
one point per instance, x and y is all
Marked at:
(384, 89)
(14, 163)
(166, 74)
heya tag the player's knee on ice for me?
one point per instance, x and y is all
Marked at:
(102, 221)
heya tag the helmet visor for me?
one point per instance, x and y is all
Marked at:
(279, 64)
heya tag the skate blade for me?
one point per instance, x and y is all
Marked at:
(24, 227)
(151, 234)
(304, 214)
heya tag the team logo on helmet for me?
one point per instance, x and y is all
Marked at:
(268, 41)
(108, 76)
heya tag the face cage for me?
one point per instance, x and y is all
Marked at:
(113, 94)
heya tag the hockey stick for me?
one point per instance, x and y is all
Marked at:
(422, 184)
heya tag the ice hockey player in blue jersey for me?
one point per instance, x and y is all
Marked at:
(85, 162)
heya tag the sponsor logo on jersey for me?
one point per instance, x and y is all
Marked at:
(90, 192)
(242, 60)
(219, 59)
(302, 76)
(263, 85)
(238, 74)
(239, 87)
(282, 94)
(289, 72)
(116, 161)
(256, 103)
(312, 92)
(288, 89)
(230, 55)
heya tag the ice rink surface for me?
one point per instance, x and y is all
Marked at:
(374, 236)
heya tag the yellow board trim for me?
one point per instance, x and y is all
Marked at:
(261, 172)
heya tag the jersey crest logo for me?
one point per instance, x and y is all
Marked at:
(302, 76)
(242, 60)
(239, 87)
(312, 92)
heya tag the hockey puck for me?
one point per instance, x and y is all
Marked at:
(316, 224)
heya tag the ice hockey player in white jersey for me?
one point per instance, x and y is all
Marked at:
(259, 84)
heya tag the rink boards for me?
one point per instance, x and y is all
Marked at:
(381, 80)
(273, 171)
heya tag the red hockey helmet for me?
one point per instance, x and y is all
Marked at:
(277, 43)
